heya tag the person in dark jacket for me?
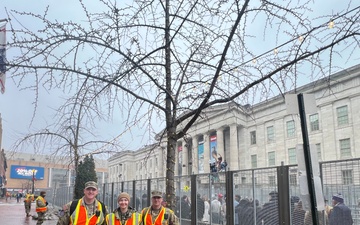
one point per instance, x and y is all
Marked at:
(200, 207)
(340, 214)
(270, 213)
(185, 208)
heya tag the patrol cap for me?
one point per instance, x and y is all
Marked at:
(156, 194)
(91, 184)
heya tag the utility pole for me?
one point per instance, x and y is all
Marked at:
(33, 181)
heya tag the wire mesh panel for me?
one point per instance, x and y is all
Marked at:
(343, 177)
(183, 199)
(141, 194)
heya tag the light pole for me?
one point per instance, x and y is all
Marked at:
(33, 181)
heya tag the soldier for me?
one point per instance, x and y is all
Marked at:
(156, 213)
(124, 214)
(41, 207)
(27, 203)
(87, 210)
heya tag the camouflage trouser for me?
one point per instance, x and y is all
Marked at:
(27, 207)
(41, 216)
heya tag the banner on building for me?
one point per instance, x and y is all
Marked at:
(213, 150)
(201, 157)
(27, 172)
(2, 57)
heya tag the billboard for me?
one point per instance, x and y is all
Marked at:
(26, 172)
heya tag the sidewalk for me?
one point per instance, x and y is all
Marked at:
(13, 213)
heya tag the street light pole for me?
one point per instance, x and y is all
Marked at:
(33, 182)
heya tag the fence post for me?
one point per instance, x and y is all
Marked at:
(229, 181)
(193, 195)
(283, 195)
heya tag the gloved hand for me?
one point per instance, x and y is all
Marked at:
(46, 203)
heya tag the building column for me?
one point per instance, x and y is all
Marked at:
(185, 157)
(206, 152)
(195, 152)
(233, 162)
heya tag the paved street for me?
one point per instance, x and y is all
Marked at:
(13, 213)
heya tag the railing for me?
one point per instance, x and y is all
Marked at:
(252, 185)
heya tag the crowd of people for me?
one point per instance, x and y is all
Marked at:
(251, 212)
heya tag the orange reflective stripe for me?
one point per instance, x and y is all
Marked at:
(41, 209)
(111, 220)
(158, 220)
(79, 216)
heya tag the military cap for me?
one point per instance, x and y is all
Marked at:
(156, 194)
(91, 184)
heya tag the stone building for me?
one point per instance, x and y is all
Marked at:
(260, 135)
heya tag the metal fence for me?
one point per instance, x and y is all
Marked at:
(253, 186)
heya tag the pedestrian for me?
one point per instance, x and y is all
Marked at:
(298, 215)
(269, 214)
(341, 213)
(86, 210)
(216, 209)
(206, 217)
(185, 208)
(18, 197)
(200, 207)
(41, 207)
(29, 198)
(156, 213)
(124, 214)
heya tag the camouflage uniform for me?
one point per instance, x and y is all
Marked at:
(169, 217)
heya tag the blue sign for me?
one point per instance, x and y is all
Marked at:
(27, 172)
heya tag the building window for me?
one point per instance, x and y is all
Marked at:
(290, 128)
(272, 181)
(292, 155)
(347, 177)
(270, 134)
(342, 115)
(318, 150)
(243, 180)
(293, 179)
(253, 137)
(271, 158)
(345, 151)
(314, 122)
(253, 161)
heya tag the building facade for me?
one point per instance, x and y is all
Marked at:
(44, 171)
(261, 135)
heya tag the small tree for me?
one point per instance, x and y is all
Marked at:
(86, 172)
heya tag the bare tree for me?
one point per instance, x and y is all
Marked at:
(172, 59)
(72, 137)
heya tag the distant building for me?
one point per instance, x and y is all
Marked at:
(48, 171)
(260, 135)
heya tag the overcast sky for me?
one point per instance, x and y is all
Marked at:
(16, 105)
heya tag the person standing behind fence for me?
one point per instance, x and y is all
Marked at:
(85, 211)
(216, 209)
(269, 214)
(156, 213)
(124, 214)
(340, 214)
(41, 207)
(27, 203)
